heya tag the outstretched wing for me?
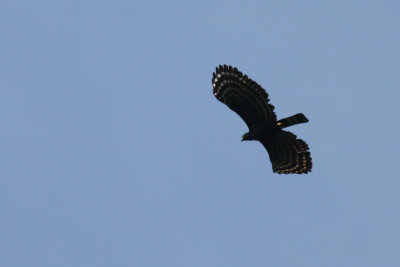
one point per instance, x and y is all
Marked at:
(243, 95)
(287, 153)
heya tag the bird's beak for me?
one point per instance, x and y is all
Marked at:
(241, 140)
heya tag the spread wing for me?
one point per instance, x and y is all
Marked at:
(243, 95)
(287, 153)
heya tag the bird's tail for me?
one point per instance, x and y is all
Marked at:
(292, 120)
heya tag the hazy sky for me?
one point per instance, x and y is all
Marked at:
(114, 151)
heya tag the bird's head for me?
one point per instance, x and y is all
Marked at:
(247, 137)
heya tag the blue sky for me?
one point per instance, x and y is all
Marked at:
(114, 151)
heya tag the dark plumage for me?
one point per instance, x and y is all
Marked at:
(250, 101)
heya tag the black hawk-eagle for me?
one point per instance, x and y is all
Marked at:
(287, 153)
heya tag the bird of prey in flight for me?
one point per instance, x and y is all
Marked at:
(287, 153)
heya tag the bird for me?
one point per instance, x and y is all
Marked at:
(287, 153)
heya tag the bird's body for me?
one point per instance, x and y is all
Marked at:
(250, 101)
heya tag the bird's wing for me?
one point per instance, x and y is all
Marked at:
(287, 153)
(243, 95)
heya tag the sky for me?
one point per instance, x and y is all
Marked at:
(114, 151)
